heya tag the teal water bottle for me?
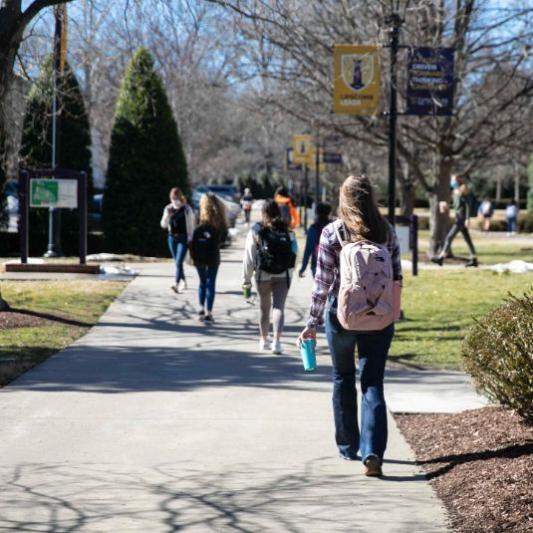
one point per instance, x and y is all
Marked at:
(308, 353)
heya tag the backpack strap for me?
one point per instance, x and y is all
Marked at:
(338, 226)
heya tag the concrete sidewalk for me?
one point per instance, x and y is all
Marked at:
(155, 422)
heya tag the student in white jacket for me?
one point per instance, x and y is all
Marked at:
(270, 254)
(179, 219)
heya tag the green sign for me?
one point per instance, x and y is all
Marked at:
(53, 193)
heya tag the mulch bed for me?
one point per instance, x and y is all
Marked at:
(12, 319)
(480, 463)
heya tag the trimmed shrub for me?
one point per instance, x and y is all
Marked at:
(145, 161)
(498, 354)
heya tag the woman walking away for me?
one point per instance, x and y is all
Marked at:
(247, 201)
(358, 261)
(511, 217)
(287, 207)
(207, 240)
(271, 253)
(178, 218)
(322, 219)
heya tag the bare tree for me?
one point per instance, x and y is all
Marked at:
(13, 22)
(484, 36)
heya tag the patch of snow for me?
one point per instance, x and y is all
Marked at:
(109, 270)
(104, 257)
(515, 267)
(407, 264)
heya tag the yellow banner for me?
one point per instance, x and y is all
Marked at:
(356, 87)
(302, 149)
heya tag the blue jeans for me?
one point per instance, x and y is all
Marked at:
(178, 248)
(511, 225)
(373, 348)
(206, 290)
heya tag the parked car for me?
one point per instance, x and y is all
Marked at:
(233, 208)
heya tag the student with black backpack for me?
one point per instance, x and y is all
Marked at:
(207, 240)
(270, 254)
(178, 218)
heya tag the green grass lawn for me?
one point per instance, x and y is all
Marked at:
(440, 306)
(70, 308)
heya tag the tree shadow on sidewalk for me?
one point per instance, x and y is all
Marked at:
(65, 498)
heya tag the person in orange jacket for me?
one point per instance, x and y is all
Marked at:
(289, 211)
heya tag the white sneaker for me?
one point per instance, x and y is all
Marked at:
(276, 348)
(263, 344)
(182, 285)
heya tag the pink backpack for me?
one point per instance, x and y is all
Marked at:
(365, 301)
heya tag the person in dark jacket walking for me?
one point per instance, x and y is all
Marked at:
(322, 219)
(462, 215)
(205, 246)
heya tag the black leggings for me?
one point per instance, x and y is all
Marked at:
(459, 226)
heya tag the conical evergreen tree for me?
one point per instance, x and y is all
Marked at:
(146, 159)
(74, 147)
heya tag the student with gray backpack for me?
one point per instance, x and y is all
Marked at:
(357, 286)
(270, 256)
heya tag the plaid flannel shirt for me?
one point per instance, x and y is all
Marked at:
(327, 279)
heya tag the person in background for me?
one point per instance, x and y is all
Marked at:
(462, 215)
(270, 254)
(287, 207)
(178, 218)
(247, 201)
(207, 239)
(322, 219)
(486, 211)
(511, 217)
(359, 219)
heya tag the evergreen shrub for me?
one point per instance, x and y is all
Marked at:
(498, 354)
(146, 160)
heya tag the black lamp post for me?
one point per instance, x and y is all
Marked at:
(393, 23)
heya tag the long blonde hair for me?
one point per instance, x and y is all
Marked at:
(213, 212)
(359, 211)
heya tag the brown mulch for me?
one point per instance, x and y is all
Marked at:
(480, 463)
(12, 319)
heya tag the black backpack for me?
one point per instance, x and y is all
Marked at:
(274, 251)
(205, 246)
(178, 222)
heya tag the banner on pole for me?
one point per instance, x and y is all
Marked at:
(302, 149)
(356, 86)
(430, 83)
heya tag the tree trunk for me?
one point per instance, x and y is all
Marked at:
(406, 190)
(438, 221)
